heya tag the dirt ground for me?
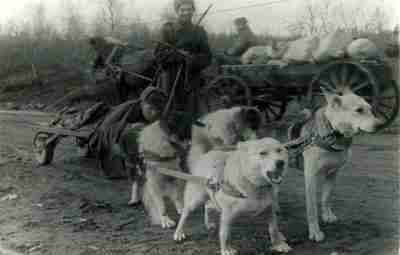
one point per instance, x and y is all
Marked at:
(69, 208)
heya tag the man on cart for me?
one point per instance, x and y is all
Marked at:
(185, 52)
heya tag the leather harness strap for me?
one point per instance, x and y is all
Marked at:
(320, 133)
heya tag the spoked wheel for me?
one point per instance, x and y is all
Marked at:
(387, 104)
(340, 77)
(43, 152)
(225, 92)
(271, 102)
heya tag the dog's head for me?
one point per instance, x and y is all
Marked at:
(244, 123)
(350, 114)
(263, 160)
(230, 126)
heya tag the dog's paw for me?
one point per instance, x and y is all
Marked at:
(166, 222)
(229, 251)
(328, 216)
(281, 247)
(316, 235)
(135, 203)
(179, 236)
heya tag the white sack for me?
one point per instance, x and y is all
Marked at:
(364, 49)
(300, 50)
(259, 54)
(332, 46)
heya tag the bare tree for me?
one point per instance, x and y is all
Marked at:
(168, 13)
(74, 27)
(112, 15)
(41, 27)
(325, 15)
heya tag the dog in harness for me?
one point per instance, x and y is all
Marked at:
(323, 145)
(220, 128)
(248, 177)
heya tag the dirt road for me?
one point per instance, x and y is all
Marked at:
(69, 208)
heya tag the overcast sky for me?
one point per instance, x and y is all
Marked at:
(263, 18)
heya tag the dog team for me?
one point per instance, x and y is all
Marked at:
(248, 172)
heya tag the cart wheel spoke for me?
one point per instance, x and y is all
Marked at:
(344, 74)
(334, 79)
(354, 79)
(275, 104)
(385, 105)
(273, 111)
(328, 86)
(361, 86)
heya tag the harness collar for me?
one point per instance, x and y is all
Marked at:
(233, 191)
(326, 136)
(318, 131)
(244, 189)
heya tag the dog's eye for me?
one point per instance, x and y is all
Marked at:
(360, 110)
(279, 150)
(264, 153)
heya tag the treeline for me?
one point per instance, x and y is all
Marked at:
(39, 42)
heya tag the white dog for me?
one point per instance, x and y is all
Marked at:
(248, 175)
(222, 128)
(342, 118)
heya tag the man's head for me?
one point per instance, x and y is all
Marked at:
(349, 113)
(152, 103)
(240, 23)
(184, 10)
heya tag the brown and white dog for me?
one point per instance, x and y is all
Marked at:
(221, 128)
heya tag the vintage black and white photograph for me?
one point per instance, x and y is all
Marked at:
(209, 127)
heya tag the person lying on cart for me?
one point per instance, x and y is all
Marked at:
(246, 38)
(114, 141)
(180, 77)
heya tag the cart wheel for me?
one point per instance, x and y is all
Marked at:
(387, 104)
(272, 103)
(226, 91)
(43, 154)
(337, 78)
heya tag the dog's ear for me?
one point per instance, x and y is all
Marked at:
(332, 99)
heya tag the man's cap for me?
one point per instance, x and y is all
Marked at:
(240, 21)
(178, 3)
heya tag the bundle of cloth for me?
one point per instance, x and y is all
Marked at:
(313, 49)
